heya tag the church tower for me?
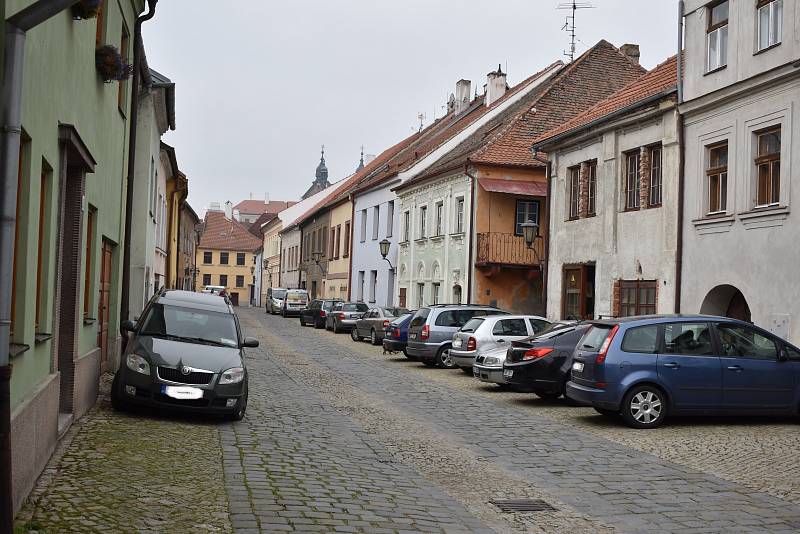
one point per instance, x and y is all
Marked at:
(321, 178)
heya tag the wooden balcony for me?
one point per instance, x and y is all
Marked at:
(507, 250)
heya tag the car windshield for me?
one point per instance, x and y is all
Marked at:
(394, 312)
(190, 324)
(472, 325)
(354, 307)
(279, 294)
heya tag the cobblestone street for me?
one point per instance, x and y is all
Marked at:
(339, 437)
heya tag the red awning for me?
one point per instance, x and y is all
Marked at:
(514, 187)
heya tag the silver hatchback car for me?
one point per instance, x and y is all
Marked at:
(482, 334)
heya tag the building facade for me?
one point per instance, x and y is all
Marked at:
(188, 233)
(314, 257)
(741, 92)
(271, 261)
(338, 275)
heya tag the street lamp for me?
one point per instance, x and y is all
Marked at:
(530, 232)
(316, 256)
(384, 247)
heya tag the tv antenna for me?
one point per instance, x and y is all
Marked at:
(569, 24)
(421, 118)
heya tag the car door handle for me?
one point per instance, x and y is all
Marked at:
(737, 368)
(672, 365)
(501, 340)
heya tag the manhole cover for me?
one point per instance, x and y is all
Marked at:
(522, 505)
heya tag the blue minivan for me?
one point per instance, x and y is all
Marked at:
(645, 368)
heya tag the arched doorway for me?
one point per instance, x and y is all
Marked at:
(728, 301)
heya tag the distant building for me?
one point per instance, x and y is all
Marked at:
(251, 210)
(321, 178)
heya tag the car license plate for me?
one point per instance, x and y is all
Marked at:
(577, 366)
(412, 336)
(182, 392)
(508, 373)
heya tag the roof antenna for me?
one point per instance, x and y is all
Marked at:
(421, 118)
(569, 24)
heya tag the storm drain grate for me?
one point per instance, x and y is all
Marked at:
(522, 505)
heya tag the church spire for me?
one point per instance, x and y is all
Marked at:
(361, 162)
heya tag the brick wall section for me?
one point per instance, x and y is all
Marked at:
(583, 188)
(615, 299)
(644, 177)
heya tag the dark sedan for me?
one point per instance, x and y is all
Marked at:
(541, 364)
(187, 353)
(395, 337)
(317, 312)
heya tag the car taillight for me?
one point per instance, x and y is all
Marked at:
(386, 323)
(472, 343)
(341, 317)
(535, 354)
(322, 313)
(396, 332)
(604, 348)
(426, 332)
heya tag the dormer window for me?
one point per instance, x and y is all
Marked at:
(770, 25)
(717, 40)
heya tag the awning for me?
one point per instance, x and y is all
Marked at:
(514, 187)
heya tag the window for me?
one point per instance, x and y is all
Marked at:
(573, 192)
(420, 295)
(770, 15)
(527, 210)
(223, 258)
(346, 251)
(439, 220)
(654, 199)
(323, 240)
(223, 280)
(423, 219)
(745, 342)
(313, 242)
(239, 280)
(361, 286)
(510, 327)
(688, 339)
(376, 220)
(333, 244)
(592, 187)
(768, 167)
(435, 293)
(363, 225)
(641, 339)
(208, 257)
(43, 237)
(406, 225)
(373, 282)
(717, 39)
(637, 297)
(240, 258)
(389, 218)
(87, 280)
(122, 86)
(206, 279)
(460, 215)
(717, 173)
(632, 161)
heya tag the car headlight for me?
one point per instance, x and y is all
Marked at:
(233, 375)
(491, 361)
(138, 364)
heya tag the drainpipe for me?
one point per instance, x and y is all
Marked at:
(350, 246)
(126, 252)
(16, 29)
(681, 171)
(472, 181)
(546, 266)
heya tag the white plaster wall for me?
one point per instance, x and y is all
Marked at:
(619, 242)
(366, 255)
(160, 229)
(289, 276)
(754, 250)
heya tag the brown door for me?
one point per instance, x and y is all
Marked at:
(104, 303)
(402, 302)
(234, 299)
(578, 292)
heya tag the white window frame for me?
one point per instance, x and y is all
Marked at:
(373, 285)
(423, 220)
(389, 218)
(774, 14)
(439, 215)
(406, 225)
(363, 225)
(720, 35)
(376, 221)
(459, 215)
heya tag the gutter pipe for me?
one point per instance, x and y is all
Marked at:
(681, 169)
(471, 233)
(16, 28)
(137, 65)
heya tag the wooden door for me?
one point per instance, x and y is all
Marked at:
(402, 302)
(234, 298)
(104, 303)
(577, 299)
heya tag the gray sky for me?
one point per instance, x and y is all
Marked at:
(261, 84)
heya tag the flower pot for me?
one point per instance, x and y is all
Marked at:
(111, 65)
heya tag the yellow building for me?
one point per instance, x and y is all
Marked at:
(177, 191)
(339, 255)
(226, 256)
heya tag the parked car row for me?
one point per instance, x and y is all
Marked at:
(640, 369)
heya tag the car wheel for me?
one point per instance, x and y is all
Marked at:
(354, 335)
(606, 412)
(238, 415)
(429, 363)
(644, 407)
(118, 403)
(335, 328)
(467, 370)
(443, 359)
(547, 395)
(373, 337)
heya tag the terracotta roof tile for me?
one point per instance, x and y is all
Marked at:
(662, 79)
(259, 206)
(221, 233)
(255, 227)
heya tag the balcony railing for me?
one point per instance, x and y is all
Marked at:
(495, 248)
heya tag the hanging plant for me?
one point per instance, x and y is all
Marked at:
(111, 65)
(86, 9)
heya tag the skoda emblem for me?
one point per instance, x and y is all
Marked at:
(186, 370)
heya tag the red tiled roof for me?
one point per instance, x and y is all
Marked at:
(255, 227)
(222, 233)
(514, 187)
(662, 79)
(259, 206)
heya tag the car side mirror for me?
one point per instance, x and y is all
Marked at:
(250, 342)
(783, 356)
(128, 326)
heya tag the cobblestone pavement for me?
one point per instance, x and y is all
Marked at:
(137, 472)
(630, 480)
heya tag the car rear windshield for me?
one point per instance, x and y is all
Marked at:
(472, 325)
(594, 338)
(420, 318)
(279, 294)
(354, 307)
(458, 318)
(189, 324)
(328, 304)
(296, 297)
(394, 312)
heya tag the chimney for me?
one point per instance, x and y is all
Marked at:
(451, 104)
(462, 95)
(236, 214)
(495, 86)
(631, 51)
(214, 206)
(229, 209)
